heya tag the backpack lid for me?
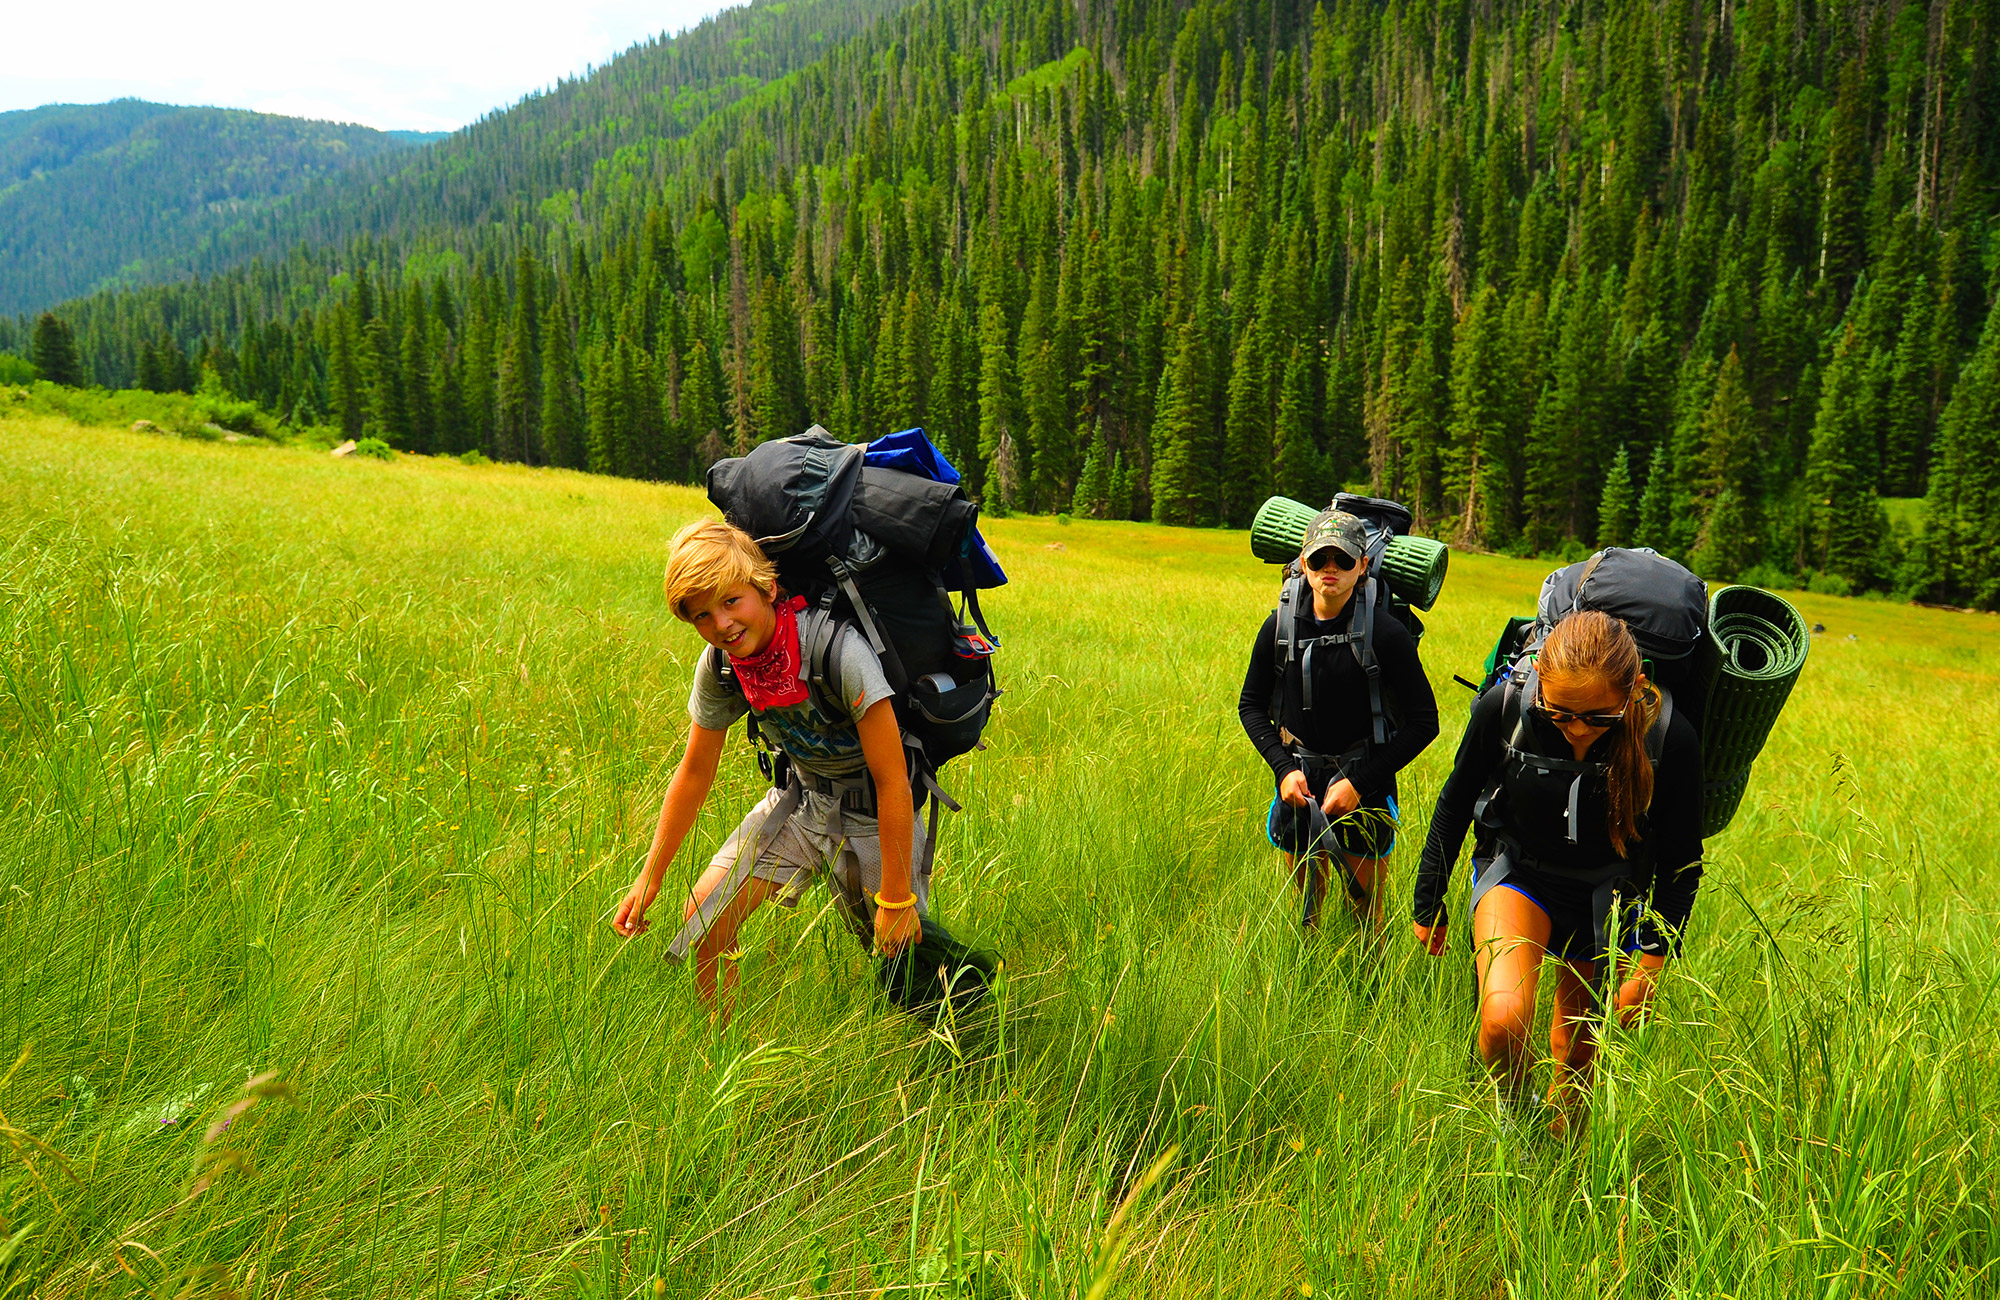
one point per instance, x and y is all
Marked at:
(793, 495)
(974, 566)
(1664, 604)
(1392, 517)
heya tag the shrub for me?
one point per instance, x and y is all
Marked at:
(17, 370)
(1829, 584)
(374, 449)
(473, 457)
(1770, 577)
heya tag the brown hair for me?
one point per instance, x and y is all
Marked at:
(713, 556)
(1590, 646)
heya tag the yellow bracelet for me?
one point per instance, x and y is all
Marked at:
(911, 901)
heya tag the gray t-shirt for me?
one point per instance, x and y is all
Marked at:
(822, 745)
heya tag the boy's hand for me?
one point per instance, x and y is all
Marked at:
(896, 929)
(631, 918)
(1431, 938)
(1294, 791)
(1341, 799)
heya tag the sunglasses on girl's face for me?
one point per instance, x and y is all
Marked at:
(1599, 721)
(1333, 555)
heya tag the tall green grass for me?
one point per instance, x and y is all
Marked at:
(323, 776)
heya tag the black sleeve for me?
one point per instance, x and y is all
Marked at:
(1674, 823)
(1402, 673)
(1479, 753)
(1253, 706)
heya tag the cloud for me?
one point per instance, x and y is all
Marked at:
(427, 65)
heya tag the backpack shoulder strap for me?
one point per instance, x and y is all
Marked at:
(1363, 624)
(1656, 739)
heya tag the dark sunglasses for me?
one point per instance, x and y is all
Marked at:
(1563, 717)
(1326, 555)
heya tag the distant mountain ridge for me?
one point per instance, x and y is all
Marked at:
(500, 169)
(97, 196)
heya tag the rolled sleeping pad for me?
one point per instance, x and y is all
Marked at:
(1763, 644)
(1278, 529)
(1414, 567)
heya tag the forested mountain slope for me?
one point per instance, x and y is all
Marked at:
(499, 169)
(1713, 278)
(93, 195)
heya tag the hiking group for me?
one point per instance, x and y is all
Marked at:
(825, 598)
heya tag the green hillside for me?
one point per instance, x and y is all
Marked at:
(326, 773)
(1714, 282)
(100, 195)
(198, 198)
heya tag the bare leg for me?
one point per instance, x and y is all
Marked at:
(1510, 935)
(1369, 873)
(721, 937)
(1573, 1044)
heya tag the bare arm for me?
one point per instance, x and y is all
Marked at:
(691, 783)
(882, 746)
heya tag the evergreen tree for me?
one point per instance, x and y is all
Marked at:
(414, 378)
(1616, 509)
(1847, 525)
(1656, 503)
(563, 424)
(1299, 469)
(1731, 536)
(1093, 483)
(1962, 534)
(55, 352)
(347, 393)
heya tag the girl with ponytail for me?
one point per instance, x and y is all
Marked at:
(1583, 790)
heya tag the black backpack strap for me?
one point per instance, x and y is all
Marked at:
(1364, 654)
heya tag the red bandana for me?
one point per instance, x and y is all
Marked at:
(770, 678)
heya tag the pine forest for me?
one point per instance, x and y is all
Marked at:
(1714, 277)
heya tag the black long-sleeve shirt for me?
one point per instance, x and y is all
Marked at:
(1340, 717)
(1671, 827)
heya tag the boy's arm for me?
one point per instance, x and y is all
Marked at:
(690, 786)
(882, 746)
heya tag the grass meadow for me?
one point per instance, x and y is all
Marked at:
(319, 778)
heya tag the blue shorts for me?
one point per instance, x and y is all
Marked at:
(1572, 919)
(1367, 832)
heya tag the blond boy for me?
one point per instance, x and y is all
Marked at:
(847, 809)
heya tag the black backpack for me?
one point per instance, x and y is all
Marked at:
(1662, 602)
(1373, 600)
(870, 548)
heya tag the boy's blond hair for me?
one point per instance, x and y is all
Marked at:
(713, 556)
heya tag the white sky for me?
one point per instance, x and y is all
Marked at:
(424, 65)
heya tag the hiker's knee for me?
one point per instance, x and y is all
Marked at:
(1504, 1021)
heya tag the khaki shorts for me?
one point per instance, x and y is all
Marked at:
(819, 837)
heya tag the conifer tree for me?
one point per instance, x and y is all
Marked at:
(1962, 534)
(1299, 469)
(346, 389)
(1731, 537)
(1656, 504)
(1000, 479)
(1846, 524)
(703, 420)
(1093, 482)
(563, 422)
(1616, 508)
(414, 377)
(55, 352)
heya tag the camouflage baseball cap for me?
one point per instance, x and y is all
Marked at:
(1332, 527)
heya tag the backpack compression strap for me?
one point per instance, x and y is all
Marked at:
(1522, 690)
(1360, 637)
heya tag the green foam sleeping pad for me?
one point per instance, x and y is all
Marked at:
(1763, 644)
(1414, 567)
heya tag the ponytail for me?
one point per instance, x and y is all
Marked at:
(1592, 646)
